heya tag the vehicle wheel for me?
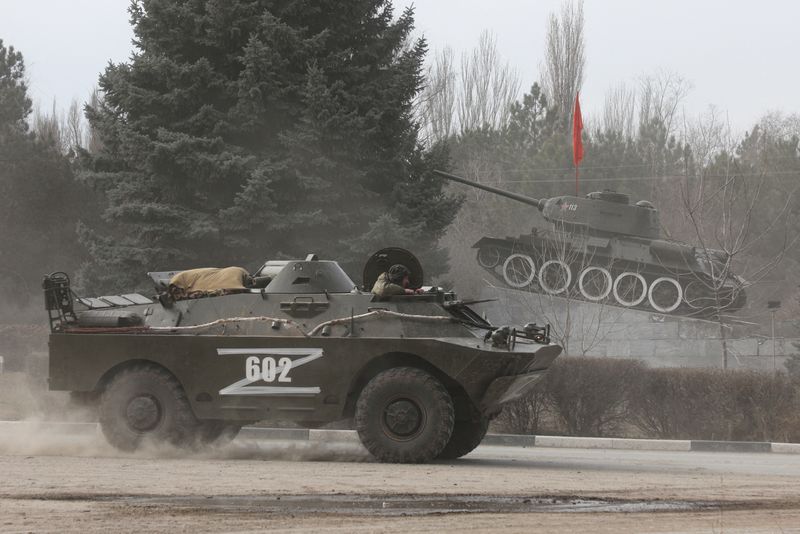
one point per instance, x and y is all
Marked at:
(404, 415)
(217, 433)
(146, 404)
(489, 257)
(466, 436)
(519, 270)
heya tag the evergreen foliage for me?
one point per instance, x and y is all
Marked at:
(38, 201)
(249, 129)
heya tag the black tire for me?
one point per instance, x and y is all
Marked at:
(404, 415)
(143, 404)
(466, 436)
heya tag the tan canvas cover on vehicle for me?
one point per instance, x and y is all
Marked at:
(208, 281)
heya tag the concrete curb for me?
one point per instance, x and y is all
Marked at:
(731, 446)
(501, 440)
(509, 440)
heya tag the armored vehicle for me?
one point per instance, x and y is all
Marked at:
(602, 248)
(420, 375)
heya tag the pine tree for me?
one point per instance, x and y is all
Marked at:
(250, 129)
(38, 197)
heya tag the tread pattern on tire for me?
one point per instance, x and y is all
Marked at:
(467, 435)
(184, 425)
(369, 432)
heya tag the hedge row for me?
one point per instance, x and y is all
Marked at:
(625, 398)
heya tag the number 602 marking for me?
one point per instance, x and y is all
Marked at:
(267, 369)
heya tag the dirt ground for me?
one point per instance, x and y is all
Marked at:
(77, 483)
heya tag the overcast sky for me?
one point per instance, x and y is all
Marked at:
(741, 56)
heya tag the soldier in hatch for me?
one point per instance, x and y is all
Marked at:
(394, 282)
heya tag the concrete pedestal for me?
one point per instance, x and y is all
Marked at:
(601, 330)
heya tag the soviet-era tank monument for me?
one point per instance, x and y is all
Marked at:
(421, 375)
(602, 248)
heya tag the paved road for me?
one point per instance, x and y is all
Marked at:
(76, 483)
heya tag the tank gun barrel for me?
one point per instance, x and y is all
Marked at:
(514, 196)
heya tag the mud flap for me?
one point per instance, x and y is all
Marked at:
(507, 389)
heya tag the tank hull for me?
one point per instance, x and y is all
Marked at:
(655, 275)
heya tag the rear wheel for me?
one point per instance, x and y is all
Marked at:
(404, 415)
(466, 436)
(143, 404)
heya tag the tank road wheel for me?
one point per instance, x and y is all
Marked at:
(665, 294)
(467, 435)
(519, 270)
(698, 297)
(630, 289)
(404, 415)
(146, 403)
(595, 283)
(489, 257)
(555, 277)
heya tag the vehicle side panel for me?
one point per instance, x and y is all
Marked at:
(213, 369)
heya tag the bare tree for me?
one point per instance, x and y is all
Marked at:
(660, 97)
(708, 135)
(488, 87)
(619, 112)
(67, 132)
(478, 94)
(565, 58)
(570, 292)
(74, 133)
(48, 127)
(781, 126)
(726, 247)
(556, 278)
(438, 98)
(93, 142)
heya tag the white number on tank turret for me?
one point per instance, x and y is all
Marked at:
(271, 365)
(267, 369)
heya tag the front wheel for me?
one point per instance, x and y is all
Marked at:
(404, 415)
(146, 404)
(467, 435)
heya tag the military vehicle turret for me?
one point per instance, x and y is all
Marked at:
(602, 248)
(421, 375)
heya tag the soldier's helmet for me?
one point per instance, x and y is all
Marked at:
(397, 272)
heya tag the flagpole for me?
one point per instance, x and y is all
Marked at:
(577, 143)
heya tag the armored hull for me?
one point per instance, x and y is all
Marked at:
(421, 375)
(603, 249)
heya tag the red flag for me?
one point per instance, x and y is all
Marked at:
(577, 142)
(577, 127)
